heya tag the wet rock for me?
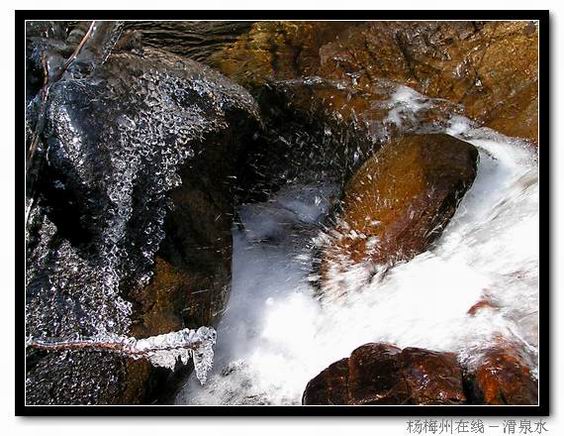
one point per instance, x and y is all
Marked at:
(374, 375)
(501, 375)
(196, 40)
(50, 47)
(385, 374)
(330, 386)
(306, 139)
(326, 129)
(488, 67)
(46, 48)
(491, 68)
(276, 50)
(139, 157)
(432, 377)
(398, 203)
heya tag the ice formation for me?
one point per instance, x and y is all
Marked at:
(163, 350)
(113, 140)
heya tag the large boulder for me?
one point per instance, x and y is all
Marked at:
(384, 374)
(398, 203)
(490, 68)
(130, 216)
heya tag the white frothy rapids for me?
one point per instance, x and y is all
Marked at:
(275, 335)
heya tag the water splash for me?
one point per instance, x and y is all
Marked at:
(276, 335)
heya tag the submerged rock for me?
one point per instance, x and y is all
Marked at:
(398, 203)
(384, 374)
(139, 159)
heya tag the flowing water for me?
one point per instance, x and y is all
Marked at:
(276, 334)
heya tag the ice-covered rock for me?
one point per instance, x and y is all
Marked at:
(136, 162)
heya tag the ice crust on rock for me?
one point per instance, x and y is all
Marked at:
(114, 144)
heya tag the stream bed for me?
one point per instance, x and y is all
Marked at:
(276, 334)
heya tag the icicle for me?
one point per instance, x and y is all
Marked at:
(162, 350)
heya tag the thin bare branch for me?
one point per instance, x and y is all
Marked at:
(161, 350)
(118, 346)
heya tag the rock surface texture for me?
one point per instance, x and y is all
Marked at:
(398, 203)
(129, 229)
(379, 373)
(490, 68)
(385, 374)
(501, 375)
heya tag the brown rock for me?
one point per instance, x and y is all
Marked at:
(432, 377)
(490, 68)
(399, 201)
(383, 374)
(330, 386)
(274, 50)
(374, 375)
(502, 376)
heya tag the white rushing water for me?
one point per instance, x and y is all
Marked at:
(276, 335)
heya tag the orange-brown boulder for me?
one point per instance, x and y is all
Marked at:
(384, 374)
(399, 202)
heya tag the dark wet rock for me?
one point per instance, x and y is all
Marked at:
(330, 386)
(196, 40)
(501, 375)
(46, 50)
(491, 68)
(139, 160)
(326, 129)
(374, 375)
(64, 48)
(304, 140)
(385, 374)
(398, 203)
(432, 377)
